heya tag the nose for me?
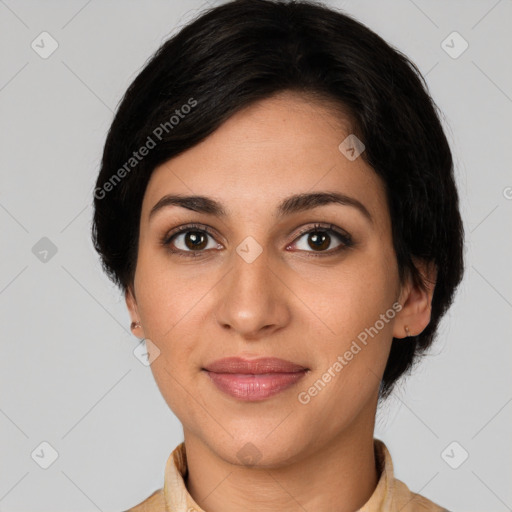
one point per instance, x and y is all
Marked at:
(252, 299)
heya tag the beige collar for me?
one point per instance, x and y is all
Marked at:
(178, 499)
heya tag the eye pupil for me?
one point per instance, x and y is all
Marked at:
(319, 238)
(197, 240)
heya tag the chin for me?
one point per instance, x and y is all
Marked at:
(259, 449)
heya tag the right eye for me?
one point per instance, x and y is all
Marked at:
(190, 240)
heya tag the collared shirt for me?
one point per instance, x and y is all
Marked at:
(390, 495)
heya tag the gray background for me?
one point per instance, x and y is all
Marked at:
(68, 375)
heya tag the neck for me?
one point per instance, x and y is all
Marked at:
(339, 476)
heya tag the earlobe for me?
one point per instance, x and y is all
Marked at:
(131, 304)
(416, 298)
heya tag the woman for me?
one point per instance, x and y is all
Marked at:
(276, 201)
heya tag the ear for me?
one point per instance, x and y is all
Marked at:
(131, 304)
(416, 301)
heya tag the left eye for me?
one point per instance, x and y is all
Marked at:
(320, 239)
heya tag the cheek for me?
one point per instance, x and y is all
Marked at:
(165, 306)
(351, 297)
(167, 314)
(356, 307)
(350, 360)
(165, 294)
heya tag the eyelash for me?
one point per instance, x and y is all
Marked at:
(345, 238)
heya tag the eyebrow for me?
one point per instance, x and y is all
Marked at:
(293, 204)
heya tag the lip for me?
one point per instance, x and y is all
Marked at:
(253, 366)
(254, 379)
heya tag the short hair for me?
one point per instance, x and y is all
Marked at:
(244, 51)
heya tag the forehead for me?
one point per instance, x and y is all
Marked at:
(275, 148)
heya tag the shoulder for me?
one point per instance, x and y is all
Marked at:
(176, 467)
(408, 501)
(154, 503)
(391, 493)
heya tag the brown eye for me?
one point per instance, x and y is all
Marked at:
(190, 239)
(195, 240)
(322, 240)
(319, 240)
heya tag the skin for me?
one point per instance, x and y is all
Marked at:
(287, 303)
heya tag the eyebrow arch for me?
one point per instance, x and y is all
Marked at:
(293, 204)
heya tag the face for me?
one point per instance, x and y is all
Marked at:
(303, 281)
